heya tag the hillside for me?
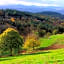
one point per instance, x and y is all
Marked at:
(31, 32)
(52, 14)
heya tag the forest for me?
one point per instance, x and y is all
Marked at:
(26, 22)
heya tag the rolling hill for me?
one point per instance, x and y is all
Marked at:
(52, 14)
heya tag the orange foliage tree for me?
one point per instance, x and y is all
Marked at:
(12, 19)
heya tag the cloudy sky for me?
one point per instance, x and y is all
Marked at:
(57, 3)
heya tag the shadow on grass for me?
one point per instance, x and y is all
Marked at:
(56, 61)
(43, 48)
(12, 57)
(4, 59)
(38, 53)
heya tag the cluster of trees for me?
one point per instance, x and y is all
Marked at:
(43, 28)
(11, 41)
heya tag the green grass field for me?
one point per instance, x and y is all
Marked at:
(45, 42)
(45, 57)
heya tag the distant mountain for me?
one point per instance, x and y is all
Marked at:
(34, 9)
(50, 13)
(53, 14)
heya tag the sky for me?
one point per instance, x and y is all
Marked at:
(56, 3)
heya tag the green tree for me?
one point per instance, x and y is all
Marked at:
(55, 31)
(48, 34)
(10, 39)
(42, 33)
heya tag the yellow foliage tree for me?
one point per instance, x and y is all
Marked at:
(31, 42)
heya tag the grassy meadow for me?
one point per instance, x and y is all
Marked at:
(44, 57)
(45, 42)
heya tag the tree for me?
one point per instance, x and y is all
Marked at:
(48, 34)
(55, 31)
(10, 39)
(42, 33)
(12, 19)
(31, 42)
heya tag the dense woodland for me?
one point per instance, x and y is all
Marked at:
(26, 22)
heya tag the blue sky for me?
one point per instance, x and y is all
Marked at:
(56, 3)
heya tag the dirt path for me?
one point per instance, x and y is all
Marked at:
(54, 46)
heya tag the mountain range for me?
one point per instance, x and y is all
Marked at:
(34, 9)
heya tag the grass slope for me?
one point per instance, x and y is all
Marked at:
(45, 57)
(45, 42)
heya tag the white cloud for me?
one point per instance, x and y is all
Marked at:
(54, 0)
(15, 2)
(49, 0)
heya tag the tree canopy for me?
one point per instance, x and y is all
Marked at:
(10, 39)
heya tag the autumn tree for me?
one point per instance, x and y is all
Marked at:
(31, 42)
(12, 19)
(10, 39)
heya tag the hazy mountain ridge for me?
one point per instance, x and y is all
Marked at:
(33, 9)
(52, 14)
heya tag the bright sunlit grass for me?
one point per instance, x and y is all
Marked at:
(45, 57)
(45, 42)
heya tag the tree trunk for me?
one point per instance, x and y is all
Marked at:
(18, 49)
(10, 51)
(33, 47)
